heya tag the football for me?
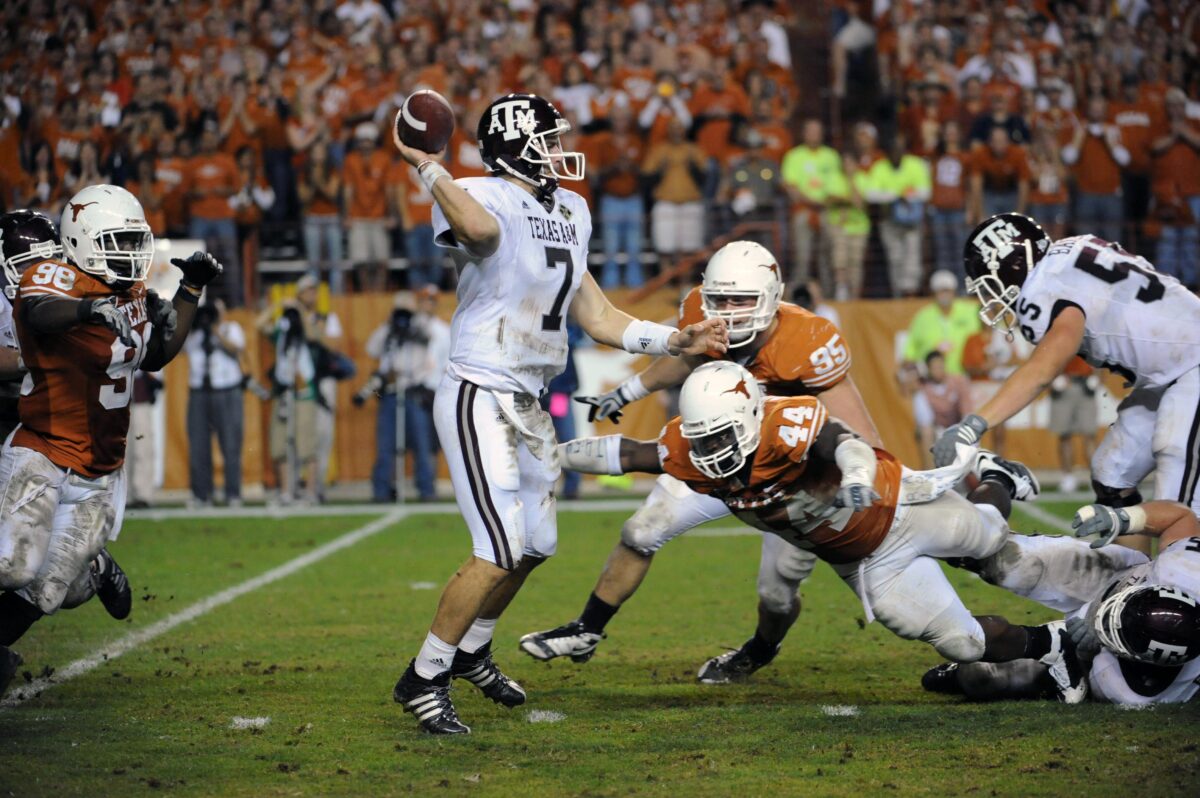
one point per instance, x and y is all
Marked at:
(425, 121)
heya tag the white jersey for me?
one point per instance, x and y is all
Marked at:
(8, 333)
(509, 330)
(1125, 682)
(1140, 324)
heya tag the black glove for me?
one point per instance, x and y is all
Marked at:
(606, 407)
(162, 314)
(199, 269)
(106, 313)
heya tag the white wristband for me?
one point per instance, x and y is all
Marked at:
(857, 462)
(632, 389)
(600, 455)
(1137, 519)
(430, 172)
(647, 338)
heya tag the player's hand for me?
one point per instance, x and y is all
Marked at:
(1082, 632)
(856, 496)
(607, 406)
(967, 432)
(162, 314)
(696, 339)
(412, 155)
(1096, 519)
(106, 313)
(199, 269)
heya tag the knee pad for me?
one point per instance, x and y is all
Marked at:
(15, 574)
(1116, 497)
(957, 638)
(640, 536)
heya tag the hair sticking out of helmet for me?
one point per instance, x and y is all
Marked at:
(26, 237)
(1158, 624)
(742, 285)
(520, 135)
(999, 255)
(104, 233)
(720, 409)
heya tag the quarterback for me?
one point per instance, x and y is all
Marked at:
(520, 244)
(790, 352)
(1090, 297)
(782, 465)
(85, 322)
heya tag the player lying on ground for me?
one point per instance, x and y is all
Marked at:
(783, 466)
(789, 351)
(1135, 622)
(1087, 296)
(520, 243)
(84, 323)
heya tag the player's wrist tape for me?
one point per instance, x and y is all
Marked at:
(632, 389)
(647, 338)
(600, 455)
(430, 172)
(856, 460)
(188, 293)
(1137, 520)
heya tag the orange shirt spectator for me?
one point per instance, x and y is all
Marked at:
(211, 179)
(366, 191)
(462, 155)
(950, 180)
(714, 105)
(1000, 172)
(414, 200)
(777, 139)
(152, 194)
(1136, 119)
(1096, 152)
(618, 158)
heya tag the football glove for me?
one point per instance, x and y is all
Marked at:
(199, 269)
(106, 313)
(606, 407)
(856, 496)
(162, 314)
(967, 432)
(1107, 522)
(1082, 632)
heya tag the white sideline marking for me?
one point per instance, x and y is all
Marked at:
(545, 716)
(1043, 517)
(335, 510)
(840, 711)
(723, 532)
(138, 637)
(423, 585)
(239, 722)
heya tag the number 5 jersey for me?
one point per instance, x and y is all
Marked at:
(74, 402)
(1140, 324)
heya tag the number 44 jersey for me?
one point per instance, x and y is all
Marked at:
(509, 330)
(75, 398)
(1140, 324)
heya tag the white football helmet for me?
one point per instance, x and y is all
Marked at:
(721, 407)
(104, 233)
(742, 270)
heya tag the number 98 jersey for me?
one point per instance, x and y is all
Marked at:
(1140, 324)
(509, 329)
(75, 398)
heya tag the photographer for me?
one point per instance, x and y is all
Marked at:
(294, 381)
(407, 367)
(215, 381)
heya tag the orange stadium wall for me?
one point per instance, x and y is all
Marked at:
(872, 329)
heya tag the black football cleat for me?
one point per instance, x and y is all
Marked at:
(429, 701)
(10, 661)
(569, 640)
(112, 586)
(480, 670)
(732, 666)
(942, 679)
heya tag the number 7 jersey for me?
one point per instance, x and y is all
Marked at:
(1139, 323)
(74, 402)
(509, 330)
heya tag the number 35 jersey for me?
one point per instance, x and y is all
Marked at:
(509, 329)
(75, 398)
(790, 491)
(804, 355)
(1140, 324)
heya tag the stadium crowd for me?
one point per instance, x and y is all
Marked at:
(248, 123)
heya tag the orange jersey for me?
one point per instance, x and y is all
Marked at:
(804, 355)
(790, 492)
(75, 402)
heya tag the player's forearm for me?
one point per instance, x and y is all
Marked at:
(1021, 388)
(161, 350)
(845, 403)
(1169, 521)
(667, 372)
(473, 226)
(46, 314)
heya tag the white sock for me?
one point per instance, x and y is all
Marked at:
(435, 657)
(478, 636)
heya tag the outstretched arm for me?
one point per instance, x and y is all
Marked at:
(610, 454)
(173, 323)
(846, 403)
(664, 372)
(1168, 521)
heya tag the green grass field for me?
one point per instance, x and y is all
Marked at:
(317, 653)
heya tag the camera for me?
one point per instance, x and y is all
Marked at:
(374, 386)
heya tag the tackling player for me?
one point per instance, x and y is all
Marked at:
(520, 244)
(1136, 622)
(1086, 296)
(84, 322)
(791, 352)
(785, 467)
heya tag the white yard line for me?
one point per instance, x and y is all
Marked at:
(337, 510)
(142, 636)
